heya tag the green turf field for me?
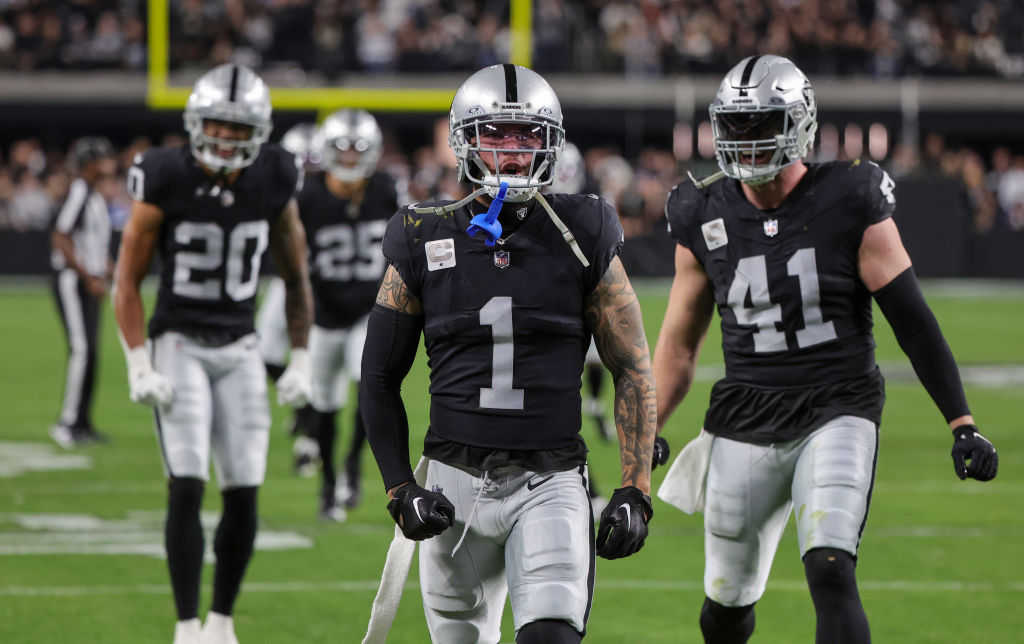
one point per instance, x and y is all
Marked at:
(941, 559)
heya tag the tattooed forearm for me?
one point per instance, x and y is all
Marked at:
(394, 294)
(613, 314)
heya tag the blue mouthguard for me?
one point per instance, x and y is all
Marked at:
(488, 221)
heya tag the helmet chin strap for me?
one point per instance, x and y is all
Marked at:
(761, 180)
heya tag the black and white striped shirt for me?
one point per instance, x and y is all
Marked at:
(85, 218)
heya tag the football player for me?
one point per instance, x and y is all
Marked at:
(271, 326)
(791, 254)
(507, 286)
(345, 211)
(210, 209)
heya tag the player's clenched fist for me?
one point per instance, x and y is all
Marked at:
(420, 513)
(970, 445)
(623, 527)
(145, 385)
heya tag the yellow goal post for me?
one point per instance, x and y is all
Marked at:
(160, 95)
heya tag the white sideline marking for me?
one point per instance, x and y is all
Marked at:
(368, 586)
(17, 458)
(139, 533)
(88, 488)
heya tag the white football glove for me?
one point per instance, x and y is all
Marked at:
(145, 385)
(295, 386)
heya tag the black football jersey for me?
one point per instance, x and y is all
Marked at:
(213, 237)
(795, 316)
(344, 239)
(503, 325)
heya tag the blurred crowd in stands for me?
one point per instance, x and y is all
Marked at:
(877, 38)
(34, 180)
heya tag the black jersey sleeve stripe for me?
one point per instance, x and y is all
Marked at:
(511, 84)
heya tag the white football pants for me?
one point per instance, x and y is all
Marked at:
(531, 536)
(337, 360)
(751, 489)
(220, 401)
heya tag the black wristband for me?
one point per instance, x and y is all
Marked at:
(918, 334)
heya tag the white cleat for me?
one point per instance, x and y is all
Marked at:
(187, 631)
(218, 629)
(61, 434)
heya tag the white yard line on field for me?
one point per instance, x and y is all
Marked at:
(369, 586)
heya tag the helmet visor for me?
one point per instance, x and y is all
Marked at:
(751, 126)
(510, 136)
(510, 148)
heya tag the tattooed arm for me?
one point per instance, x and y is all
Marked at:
(613, 315)
(288, 245)
(394, 294)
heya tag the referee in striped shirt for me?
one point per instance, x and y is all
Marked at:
(81, 242)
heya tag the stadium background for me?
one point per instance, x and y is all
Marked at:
(931, 91)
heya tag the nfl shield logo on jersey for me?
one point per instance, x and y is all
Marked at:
(502, 259)
(771, 227)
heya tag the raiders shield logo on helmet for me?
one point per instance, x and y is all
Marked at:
(502, 259)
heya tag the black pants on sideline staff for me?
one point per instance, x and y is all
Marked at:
(80, 312)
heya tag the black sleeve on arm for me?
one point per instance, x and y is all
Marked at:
(392, 338)
(919, 336)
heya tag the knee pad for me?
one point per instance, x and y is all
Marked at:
(548, 631)
(833, 584)
(829, 571)
(726, 624)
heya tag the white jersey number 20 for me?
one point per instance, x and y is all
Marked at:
(245, 246)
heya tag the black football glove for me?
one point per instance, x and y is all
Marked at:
(969, 444)
(623, 526)
(420, 513)
(661, 452)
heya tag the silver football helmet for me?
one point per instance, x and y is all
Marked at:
(349, 143)
(300, 140)
(516, 105)
(763, 118)
(235, 94)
